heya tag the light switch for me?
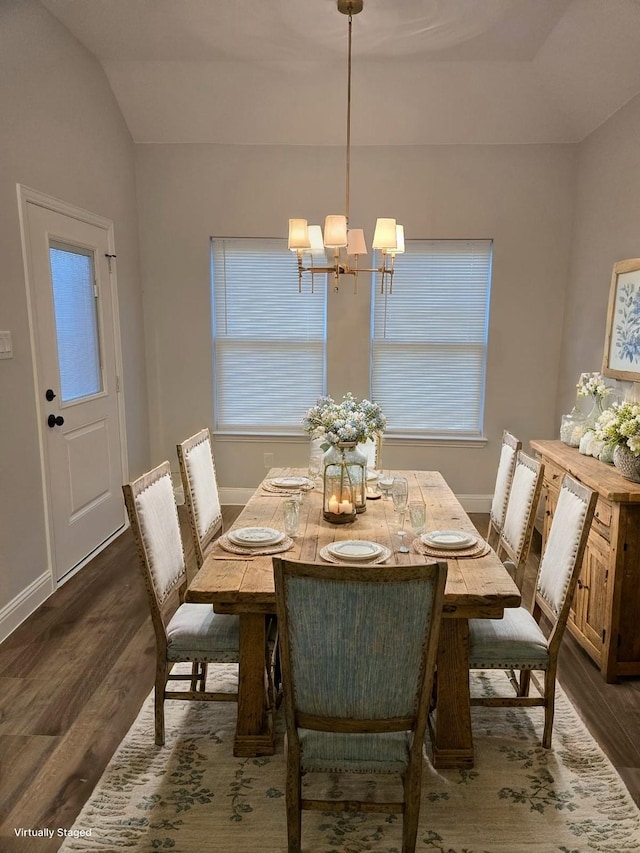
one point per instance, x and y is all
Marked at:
(6, 349)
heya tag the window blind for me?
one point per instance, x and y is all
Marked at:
(429, 339)
(269, 340)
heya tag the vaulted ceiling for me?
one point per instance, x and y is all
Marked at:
(424, 71)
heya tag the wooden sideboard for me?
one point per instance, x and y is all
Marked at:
(605, 615)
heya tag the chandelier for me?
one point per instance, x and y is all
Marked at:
(348, 244)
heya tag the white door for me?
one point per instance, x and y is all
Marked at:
(73, 329)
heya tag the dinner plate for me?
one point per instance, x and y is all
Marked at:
(289, 482)
(372, 475)
(355, 550)
(448, 539)
(255, 536)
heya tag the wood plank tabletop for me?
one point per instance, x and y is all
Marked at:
(476, 587)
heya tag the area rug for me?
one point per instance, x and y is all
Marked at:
(192, 795)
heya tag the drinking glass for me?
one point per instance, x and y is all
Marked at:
(400, 495)
(291, 512)
(417, 516)
(385, 481)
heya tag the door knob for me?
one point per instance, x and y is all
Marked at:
(52, 420)
(49, 394)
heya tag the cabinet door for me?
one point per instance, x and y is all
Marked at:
(593, 588)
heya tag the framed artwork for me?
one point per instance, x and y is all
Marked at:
(622, 342)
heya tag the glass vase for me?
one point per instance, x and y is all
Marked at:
(344, 481)
(572, 428)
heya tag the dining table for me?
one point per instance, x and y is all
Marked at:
(478, 587)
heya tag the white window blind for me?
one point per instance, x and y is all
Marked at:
(269, 340)
(429, 339)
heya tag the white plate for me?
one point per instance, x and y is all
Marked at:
(355, 550)
(289, 482)
(372, 475)
(448, 539)
(255, 536)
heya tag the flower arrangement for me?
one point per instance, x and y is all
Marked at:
(592, 385)
(620, 424)
(348, 421)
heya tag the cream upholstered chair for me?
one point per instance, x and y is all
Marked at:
(198, 472)
(372, 449)
(519, 520)
(508, 452)
(517, 642)
(184, 632)
(357, 678)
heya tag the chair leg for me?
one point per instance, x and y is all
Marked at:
(294, 807)
(195, 670)
(549, 708)
(162, 673)
(411, 809)
(525, 681)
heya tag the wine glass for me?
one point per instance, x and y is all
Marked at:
(385, 482)
(400, 496)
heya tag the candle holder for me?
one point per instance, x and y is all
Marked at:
(339, 500)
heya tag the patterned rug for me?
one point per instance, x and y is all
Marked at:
(192, 795)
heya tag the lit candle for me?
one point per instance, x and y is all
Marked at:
(334, 506)
(346, 507)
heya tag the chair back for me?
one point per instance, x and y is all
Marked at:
(154, 521)
(563, 553)
(198, 473)
(504, 477)
(517, 530)
(372, 449)
(358, 644)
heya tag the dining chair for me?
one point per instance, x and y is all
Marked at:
(506, 466)
(358, 646)
(372, 449)
(198, 473)
(184, 632)
(517, 530)
(517, 642)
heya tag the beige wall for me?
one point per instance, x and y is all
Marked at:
(61, 133)
(521, 196)
(607, 229)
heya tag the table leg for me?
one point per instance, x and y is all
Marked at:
(450, 725)
(254, 728)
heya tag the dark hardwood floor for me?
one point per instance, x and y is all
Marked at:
(74, 675)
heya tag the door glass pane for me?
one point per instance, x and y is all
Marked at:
(75, 309)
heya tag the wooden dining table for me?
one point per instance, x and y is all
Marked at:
(477, 587)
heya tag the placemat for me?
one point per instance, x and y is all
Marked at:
(278, 548)
(480, 549)
(381, 558)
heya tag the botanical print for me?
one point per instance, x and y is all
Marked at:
(626, 337)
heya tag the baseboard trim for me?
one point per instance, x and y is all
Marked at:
(23, 605)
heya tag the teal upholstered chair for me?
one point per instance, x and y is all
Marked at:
(184, 632)
(358, 647)
(517, 530)
(504, 476)
(517, 642)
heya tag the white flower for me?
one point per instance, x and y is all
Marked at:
(592, 385)
(348, 421)
(620, 424)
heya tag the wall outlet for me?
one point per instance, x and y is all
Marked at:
(268, 460)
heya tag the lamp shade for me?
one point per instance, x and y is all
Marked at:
(335, 232)
(356, 244)
(399, 239)
(298, 235)
(316, 248)
(385, 234)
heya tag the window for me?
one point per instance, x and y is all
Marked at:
(429, 339)
(269, 343)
